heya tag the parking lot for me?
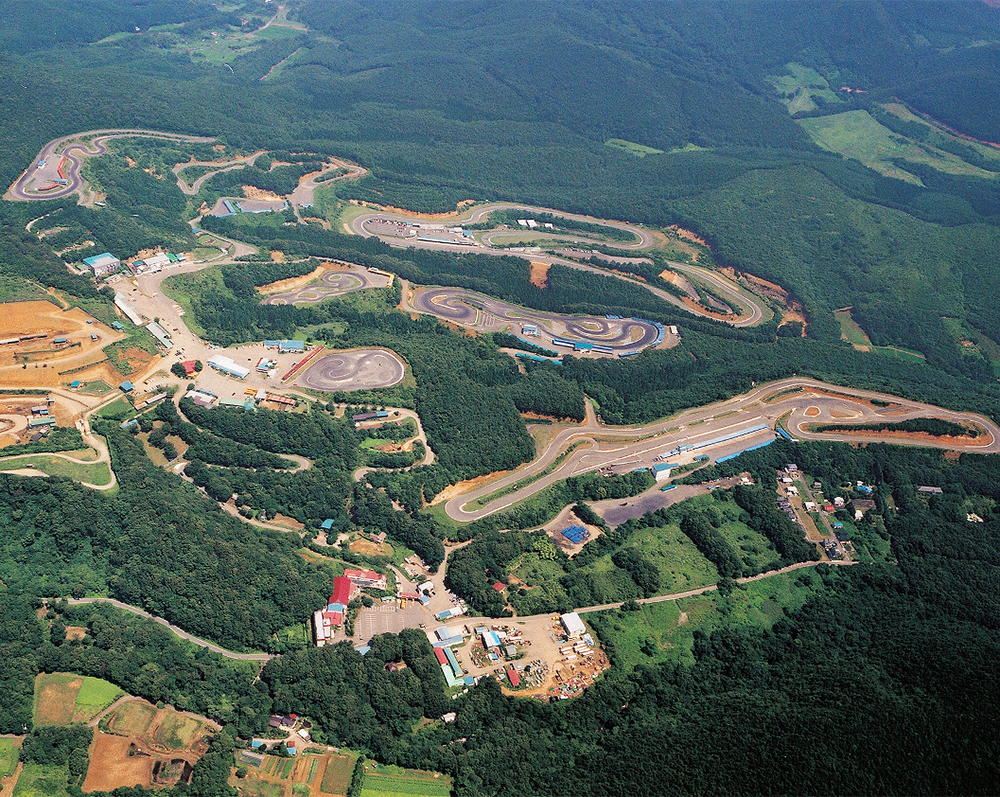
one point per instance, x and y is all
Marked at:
(388, 618)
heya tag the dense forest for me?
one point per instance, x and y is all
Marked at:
(883, 682)
(912, 644)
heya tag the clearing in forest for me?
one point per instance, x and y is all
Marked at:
(64, 698)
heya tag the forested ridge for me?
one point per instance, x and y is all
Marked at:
(884, 682)
(900, 658)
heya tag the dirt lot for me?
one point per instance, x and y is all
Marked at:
(371, 548)
(42, 357)
(111, 766)
(568, 518)
(293, 283)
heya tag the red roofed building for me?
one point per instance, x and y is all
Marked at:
(499, 586)
(441, 657)
(188, 366)
(341, 590)
(515, 679)
(366, 578)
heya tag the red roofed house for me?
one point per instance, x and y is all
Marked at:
(499, 586)
(341, 590)
(366, 578)
(515, 679)
(189, 368)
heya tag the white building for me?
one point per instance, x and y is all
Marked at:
(572, 624)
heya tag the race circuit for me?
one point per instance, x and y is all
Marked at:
(404, 230)
(360, 369)
(475, 310)
(332, 283)
(55, 171)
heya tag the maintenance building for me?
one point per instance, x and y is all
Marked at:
(102, 265)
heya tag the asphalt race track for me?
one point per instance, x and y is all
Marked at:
(488, 314)
(361, 369)
(801, 401)
(332, 283)
(75, 150)
(387, 226)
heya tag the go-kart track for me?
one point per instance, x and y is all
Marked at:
(332, 283)
(362, 369)
(593, 334)
(55, 172)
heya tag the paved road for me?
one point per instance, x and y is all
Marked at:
(174, 629)
(75, 150)
(627, 448)
(751, 310)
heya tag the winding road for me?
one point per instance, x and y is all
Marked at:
(179, 632)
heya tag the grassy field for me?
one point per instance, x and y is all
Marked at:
(800, 88)
(42, 781)
(176, 731)
(857, 135)
(681, 565)
(752, 546)
(937, 134)
(91, 472)
(9, 750)
(387, 781)
(850, 330)
(131, 718)
(94, 696)
(639, 150)
(662, 632)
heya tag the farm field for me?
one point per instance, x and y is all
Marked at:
(138, 743)
(308, 774)
(388, 781)
(38, 780)
(64, 698)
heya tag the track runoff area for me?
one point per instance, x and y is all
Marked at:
(607, 336)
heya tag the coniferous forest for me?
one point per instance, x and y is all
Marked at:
(846, 151)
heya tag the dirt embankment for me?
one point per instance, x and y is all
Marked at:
(259, 194)
(539, 275)
(414, 214)
(792, 311)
